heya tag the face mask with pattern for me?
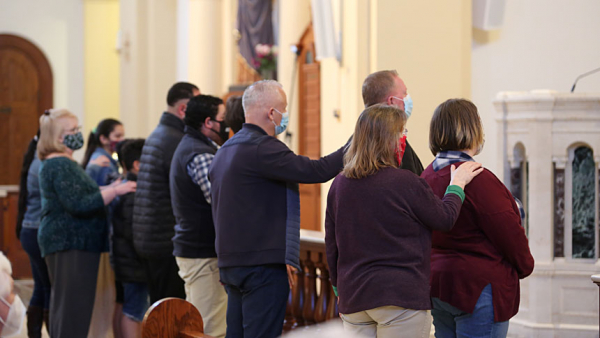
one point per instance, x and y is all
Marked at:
(73, 141)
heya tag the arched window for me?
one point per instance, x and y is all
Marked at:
(519, 180)
(583, 203)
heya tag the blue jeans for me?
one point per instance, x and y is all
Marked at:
(41, 281)
(135, 300)
(257, 297)
(452, 322)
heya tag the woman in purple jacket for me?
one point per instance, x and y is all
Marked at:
(378, 230)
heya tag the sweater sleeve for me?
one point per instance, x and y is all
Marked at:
(430, 210)
(78, 194)
(278, 162)
(498, 218)
(330, 238)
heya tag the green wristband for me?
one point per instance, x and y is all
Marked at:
(335, 290)
(455, 189)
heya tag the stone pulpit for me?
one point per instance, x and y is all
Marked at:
(549, 145)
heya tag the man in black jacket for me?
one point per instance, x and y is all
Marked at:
(388, 88)
(153, 219)
(194, 241)
(256, 211)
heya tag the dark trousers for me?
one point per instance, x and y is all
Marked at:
(257, 297)
(73, 275)
(41, 281)
(163, 278)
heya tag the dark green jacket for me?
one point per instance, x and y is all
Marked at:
(73, 214)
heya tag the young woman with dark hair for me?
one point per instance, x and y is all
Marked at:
(102, 142)
(28, 222)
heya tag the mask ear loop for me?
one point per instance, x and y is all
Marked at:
(7, 304)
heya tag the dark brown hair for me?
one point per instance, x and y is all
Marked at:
(455, 125)
(377, 86)
(375, 141)
(234, 113)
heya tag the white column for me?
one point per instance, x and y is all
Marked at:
(204, 43)
(161, 57)
(148, 62)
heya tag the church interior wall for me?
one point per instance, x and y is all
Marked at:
(56, 28)
(541, 45)
(101, 26)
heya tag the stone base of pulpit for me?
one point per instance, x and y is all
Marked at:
(549, 147)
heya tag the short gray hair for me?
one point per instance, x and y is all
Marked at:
(261, 93)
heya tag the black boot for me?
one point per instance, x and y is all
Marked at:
(35, 320)
(47, 320)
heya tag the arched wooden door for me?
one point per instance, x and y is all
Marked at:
(309, 129)
(25, 92)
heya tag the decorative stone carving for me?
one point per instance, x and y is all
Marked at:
(561, 192)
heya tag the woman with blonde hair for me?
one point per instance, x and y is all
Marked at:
(378, 230)
(475, 267)
(73, 229)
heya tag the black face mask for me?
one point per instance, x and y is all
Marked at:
(223, 130)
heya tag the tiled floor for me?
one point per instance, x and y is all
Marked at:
(24, 288)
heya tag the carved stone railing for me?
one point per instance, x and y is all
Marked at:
(596, 280)
(311, 300)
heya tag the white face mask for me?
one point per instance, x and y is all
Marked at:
(15, 318)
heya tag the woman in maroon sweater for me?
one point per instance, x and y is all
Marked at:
(475, 267)
(378, 230)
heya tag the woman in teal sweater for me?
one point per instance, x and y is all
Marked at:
(73, 228)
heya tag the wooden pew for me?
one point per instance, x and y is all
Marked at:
(173, 318)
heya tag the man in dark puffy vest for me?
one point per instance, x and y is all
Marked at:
(194, 241)
(153, 219)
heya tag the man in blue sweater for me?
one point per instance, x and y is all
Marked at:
(256, 212)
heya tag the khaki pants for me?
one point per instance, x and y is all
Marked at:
(204, 290)
(389, 321)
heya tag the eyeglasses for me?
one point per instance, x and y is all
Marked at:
(74, 130)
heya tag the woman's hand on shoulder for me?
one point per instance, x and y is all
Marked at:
(465, 173)
(101, 161)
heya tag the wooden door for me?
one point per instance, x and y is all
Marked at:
(25, 92)
(309, 129)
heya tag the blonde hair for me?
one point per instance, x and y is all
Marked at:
(375, 142)
(455, 125)
(51, 129)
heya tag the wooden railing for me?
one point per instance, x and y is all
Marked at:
(311, 300)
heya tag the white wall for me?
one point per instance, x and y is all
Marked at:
(56, 28)
(542, 45)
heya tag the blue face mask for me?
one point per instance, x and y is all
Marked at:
(285, 119)
(408, 104)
